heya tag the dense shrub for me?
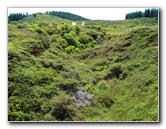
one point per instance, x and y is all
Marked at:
(63, 109)
(69, 85)
(70, 49)
(90, 88)
(102, 85)
(115, 71)
(43, 24)
(71, 39)
(21, 26)
(84, 38)
(93, 34)
(59, 40)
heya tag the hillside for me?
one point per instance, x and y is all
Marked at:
(97, 72)
(67, 15)
(48, 16)
(39, 17)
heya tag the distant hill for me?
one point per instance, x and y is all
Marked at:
(48, 16)
(39, 17)
(67, 15)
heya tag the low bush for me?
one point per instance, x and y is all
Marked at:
(63, 109)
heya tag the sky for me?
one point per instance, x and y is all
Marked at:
(90, 13)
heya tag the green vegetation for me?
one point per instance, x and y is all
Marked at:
(48, 16)
(152, 13)
(67, 15)
(39, 17)
(112, 65)
(16, 16)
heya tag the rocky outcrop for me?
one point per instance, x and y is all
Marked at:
(82, 98)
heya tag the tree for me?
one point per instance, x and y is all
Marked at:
(139, 14)
(16, 16)
(34, 15)
(66, 15)
(26, 13)
(147, 13)
(154, 12)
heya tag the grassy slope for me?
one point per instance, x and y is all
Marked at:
(40, 17)
(122, 74)
(124, 23)
(131, 73)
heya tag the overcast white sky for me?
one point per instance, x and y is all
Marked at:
(90, 13)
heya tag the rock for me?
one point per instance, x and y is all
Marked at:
(82, 98)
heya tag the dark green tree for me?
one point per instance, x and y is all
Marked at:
(16, 16)
(147, 13)
(154, 12)
(66, 15)
(34, 15)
